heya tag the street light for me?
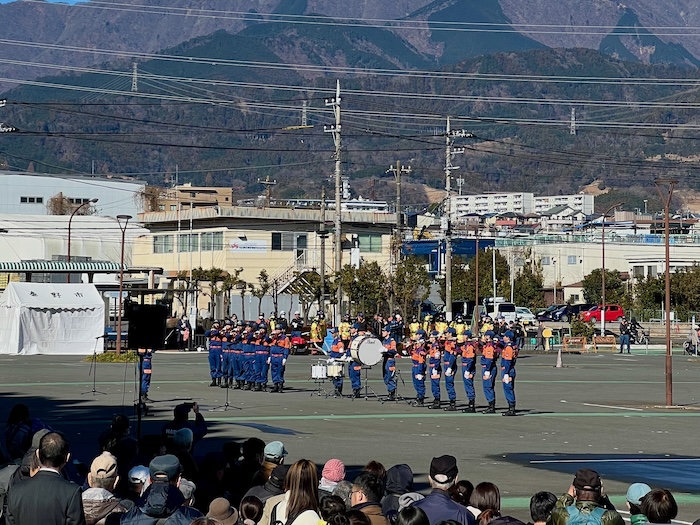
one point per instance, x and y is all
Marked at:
(70, 221)
(666, 199)
(602, 245)
(122, 227)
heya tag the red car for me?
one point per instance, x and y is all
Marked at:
(613, 312)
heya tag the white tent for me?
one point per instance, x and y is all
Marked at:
(39, 318)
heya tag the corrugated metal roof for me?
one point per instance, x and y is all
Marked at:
(60, 266)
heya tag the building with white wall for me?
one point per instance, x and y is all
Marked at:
(489, 203)
(29, 193)
(580, 202)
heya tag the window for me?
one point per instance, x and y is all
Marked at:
(571, 259)
(162, 244)
(283, 241)
(31, 200)
(212, 241)
(161, 207)
(370, 242)
(173, 207)
(546, 261)
(638, 272)
(188, 242)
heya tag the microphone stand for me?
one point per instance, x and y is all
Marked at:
(93, 370)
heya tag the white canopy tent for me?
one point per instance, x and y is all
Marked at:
(46, 318)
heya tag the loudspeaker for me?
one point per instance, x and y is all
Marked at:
(146, 325)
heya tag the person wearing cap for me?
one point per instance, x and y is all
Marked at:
(162, 502)
(337, 353)
(273, 456)
(489, 368)
(138, 480)
(585, 497)
(280, 346)
(438, 505)
(354, 368)
(624, 335)
(635, 493)
(389, 367)
(434, 368)
(418, 367)
(333, 473)
(28, 501)
(509, 355)
(274, 486)
(449, 366)
(366, 495)
(215, 354)
(296, 324)
(99, 500)
(468, 353)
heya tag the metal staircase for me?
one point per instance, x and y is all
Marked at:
(296, 277)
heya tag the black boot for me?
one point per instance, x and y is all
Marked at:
(248, 386)
(470, 408)
(218, 381)
(258, 387)
(510, 412)
(275, 389)
(392, 396)
(452, 406)
(280, 387)
(356, 393)
(419, 402)
(238, 385)
(224, 383)
(491, 409)
(435, 404)
(213, 382)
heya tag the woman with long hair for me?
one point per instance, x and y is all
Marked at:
(300, 504)
(486, 500)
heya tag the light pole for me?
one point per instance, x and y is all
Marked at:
(666, 199)
(70, 221)
(602, 246)
(122, 227)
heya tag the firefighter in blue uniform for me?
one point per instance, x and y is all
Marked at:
(215, 347)
(146, 370)
(249, 359)
(449, 366)
(489, 357)
(509, 354)
(279, 352)
(337, 353)
(418, 367)
(226, 355)
(237, 357)
(389, 368)
(354, 368)
(468, 353)
(262, 354)
(434, 367)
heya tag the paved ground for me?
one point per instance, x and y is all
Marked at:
(604, 411)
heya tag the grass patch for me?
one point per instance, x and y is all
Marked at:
(112, 357)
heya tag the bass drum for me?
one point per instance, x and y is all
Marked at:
(366, 350)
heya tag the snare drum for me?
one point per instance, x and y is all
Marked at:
(366, 350)
(318, 372)
(336, 370)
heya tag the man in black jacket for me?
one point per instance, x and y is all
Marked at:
(162, 502)
(47, 498)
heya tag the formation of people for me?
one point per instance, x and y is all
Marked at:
(157, 480)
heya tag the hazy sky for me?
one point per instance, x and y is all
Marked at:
(54, 1)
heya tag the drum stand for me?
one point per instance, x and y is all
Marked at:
(320, 391)
(397, 397)
(368, 389)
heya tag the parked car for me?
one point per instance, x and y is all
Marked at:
(546, 315)
(525, 315)
(569, 311)
(613, 312)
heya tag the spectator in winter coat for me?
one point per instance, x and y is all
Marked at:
(438, 505)
(333, 473)
(98, 500)
(585, 494)
(399, 481)
(367, 491)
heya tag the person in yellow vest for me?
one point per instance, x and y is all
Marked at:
(413, 327)
(486, 325)
(460, 328)
(318, 329)
(441, 325)
(344, 331)
(428, 323)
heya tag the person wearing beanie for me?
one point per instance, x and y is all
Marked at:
(332, 473)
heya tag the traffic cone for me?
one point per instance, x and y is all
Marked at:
(559, 363)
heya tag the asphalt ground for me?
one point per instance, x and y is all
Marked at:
(603, 411)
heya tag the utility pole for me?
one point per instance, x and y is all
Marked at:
(268, 189)
(446, 222)
(134, 77)
(335, 130)
(397, 171)
(323, 234)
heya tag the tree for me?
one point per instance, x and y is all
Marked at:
(59, 204)
(212, 277)
(615, 293)
(262, 289)
(364, 286)
(410, 282)
(528, 286)
(464, 278)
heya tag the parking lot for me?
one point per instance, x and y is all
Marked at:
(605, 411)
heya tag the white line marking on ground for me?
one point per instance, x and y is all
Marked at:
(612, 406)
(611, 460)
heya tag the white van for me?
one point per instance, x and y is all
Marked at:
(502, 308)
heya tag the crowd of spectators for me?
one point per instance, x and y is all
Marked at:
(158, 481)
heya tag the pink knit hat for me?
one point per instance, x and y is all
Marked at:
(334, 470)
